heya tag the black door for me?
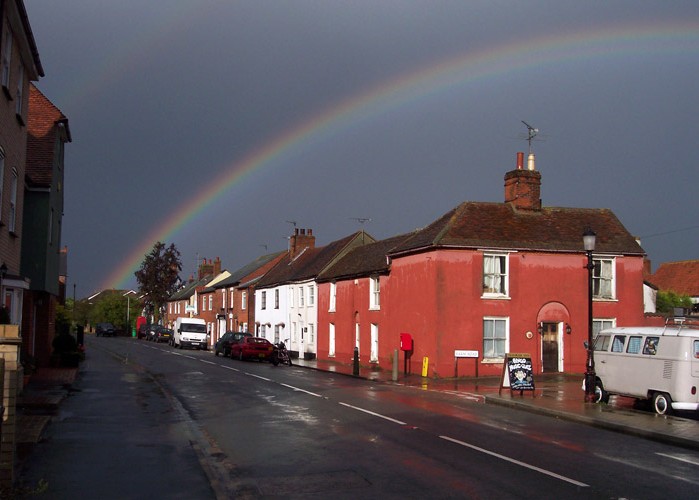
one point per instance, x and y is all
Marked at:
(549, 347)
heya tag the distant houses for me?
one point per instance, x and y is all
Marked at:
(486, 277)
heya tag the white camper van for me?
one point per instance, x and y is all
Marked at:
(660, 364)
(190, 332)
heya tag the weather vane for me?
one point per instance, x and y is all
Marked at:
(531, 133)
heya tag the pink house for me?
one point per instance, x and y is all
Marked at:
(486, 277)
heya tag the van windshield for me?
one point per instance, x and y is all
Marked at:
(193, 328)
(602, 343)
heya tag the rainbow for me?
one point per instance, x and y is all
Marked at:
(407, 88)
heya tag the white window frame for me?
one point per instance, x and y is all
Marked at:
(244, 300)
(496, 281)
(374, 348)
(331, 340)
(211, 302)
(374, 292)
(604, 278)
(302, 301)
(333, 297)
(263, 300)
(311, 295)
(493, 355)
(276, 300)
(599, 324)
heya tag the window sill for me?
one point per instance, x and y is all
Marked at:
(605, 299)
(495, 296)
(374, 308)
(492, 361)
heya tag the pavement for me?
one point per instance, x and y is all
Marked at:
(557, 395)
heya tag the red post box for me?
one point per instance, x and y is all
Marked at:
(406, 342)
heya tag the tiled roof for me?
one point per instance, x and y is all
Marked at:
(312, 261)
(188, 290)
(501, 226)
(680, 277)
(42, 118)
(364, 260)
(246, 270)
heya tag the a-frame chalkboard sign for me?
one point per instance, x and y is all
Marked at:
(517, 374)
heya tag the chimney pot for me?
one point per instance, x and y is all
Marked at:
(531, 162)
(520, 160)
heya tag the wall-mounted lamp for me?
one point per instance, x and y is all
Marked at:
(568, 328)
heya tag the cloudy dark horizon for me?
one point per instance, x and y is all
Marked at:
(211, 124)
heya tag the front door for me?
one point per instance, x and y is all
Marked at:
(549, 347)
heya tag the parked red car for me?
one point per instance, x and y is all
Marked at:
(252, 347)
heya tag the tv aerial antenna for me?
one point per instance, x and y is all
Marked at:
(531, 133)
(361, 220)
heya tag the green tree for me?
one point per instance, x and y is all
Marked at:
(158, 276)
(110, 309)
(667, 300)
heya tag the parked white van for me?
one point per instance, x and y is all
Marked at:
(660, 364)
(190, 332)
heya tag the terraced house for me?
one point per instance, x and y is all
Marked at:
(486, 277)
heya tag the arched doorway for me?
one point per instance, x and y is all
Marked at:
(552, 320)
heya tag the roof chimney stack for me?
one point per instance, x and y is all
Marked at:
(300, 240)
(523, 187)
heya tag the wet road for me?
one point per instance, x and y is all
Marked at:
(287, 431)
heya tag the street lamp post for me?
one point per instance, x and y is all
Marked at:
(590, 375)
(128, 310)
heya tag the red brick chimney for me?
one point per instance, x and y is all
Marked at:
(208, 268)
(301, 239)
(523, 187)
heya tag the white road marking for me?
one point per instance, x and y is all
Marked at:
(208, 362)
(516, 462)
(229, 368)
(257, 376)
(374, 414)
(301, 390)
(681, 458)
(650, 469)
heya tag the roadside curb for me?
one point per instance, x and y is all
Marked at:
(596, 422)
(591, 420)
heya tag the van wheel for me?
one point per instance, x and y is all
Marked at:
(601, 396)
(662, 404)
